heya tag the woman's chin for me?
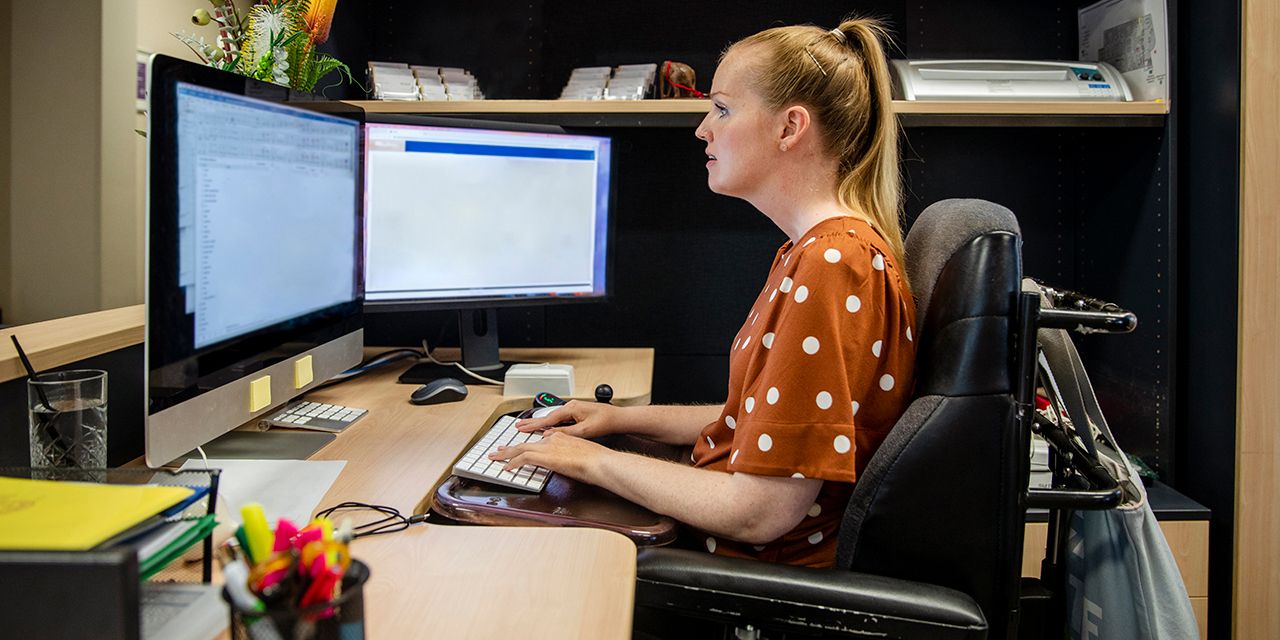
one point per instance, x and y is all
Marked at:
(718, 186)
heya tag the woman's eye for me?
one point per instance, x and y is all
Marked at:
(722, 111)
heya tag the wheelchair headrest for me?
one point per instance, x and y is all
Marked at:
(939, 232)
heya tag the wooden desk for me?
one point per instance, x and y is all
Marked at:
(484, 582)
(400, 452)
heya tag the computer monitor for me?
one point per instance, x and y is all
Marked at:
(253, 258)
(473, 215)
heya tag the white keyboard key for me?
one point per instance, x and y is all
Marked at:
(315, 415)
(475, 463)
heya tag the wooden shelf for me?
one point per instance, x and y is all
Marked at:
(55, 343)
(676, 113)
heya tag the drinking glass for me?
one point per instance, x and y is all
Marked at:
(67, 414)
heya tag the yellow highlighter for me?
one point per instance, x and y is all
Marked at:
(326, 533)
(257, 531)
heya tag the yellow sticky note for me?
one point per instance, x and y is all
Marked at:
(260, 394)
(302, 373)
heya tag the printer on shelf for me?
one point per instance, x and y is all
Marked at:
(1008, 80)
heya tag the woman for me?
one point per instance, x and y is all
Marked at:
(801, 127)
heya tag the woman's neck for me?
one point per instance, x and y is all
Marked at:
(798, 203)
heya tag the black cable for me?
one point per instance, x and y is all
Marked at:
(392, 522)
(379, 360)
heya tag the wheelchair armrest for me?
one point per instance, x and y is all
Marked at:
(774, 596)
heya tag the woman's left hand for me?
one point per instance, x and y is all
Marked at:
(568, 455)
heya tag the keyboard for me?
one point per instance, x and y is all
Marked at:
(475, 463)
(315, 415)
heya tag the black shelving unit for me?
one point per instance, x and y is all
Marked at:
(1094, 193)
(1140, 209)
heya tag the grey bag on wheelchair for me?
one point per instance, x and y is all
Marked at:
(1122, 578)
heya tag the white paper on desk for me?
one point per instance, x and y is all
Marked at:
(285, 488)
(1132, 36)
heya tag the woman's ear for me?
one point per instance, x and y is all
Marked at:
(796, 124)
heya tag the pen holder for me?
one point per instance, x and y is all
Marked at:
(291, 623)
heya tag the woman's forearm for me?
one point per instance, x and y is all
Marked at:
(672, 424)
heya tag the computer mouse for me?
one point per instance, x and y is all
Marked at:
(439, 391)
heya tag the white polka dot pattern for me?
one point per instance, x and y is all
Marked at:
(824, 400)
(812, 364)
(810, 345)
(711, 544)
(842, 444)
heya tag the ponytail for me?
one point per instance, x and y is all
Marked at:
(842, 75)
(871, 181)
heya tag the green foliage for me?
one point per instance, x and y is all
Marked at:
(273, 47)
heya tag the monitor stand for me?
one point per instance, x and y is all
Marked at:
(478, 333)
(275, 444)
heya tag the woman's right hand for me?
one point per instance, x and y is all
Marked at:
(576, 418)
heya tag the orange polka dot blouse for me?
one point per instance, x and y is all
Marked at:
(820, 371)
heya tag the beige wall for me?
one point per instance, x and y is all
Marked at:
(72, 168)
(6, 35)
(55, 141)
(122, 224)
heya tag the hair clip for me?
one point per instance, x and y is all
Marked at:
(815, 61)
(840, 35)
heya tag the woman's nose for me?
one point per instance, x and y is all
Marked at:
(702, 132)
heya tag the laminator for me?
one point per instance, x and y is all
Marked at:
(1008, 80)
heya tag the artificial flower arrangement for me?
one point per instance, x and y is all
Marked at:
(275, 41)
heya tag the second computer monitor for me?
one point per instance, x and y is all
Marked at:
(473, 215)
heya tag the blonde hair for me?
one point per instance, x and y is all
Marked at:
(842, 75)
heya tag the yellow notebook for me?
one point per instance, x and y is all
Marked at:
(74, 516)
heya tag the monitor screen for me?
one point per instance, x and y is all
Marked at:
(254, 252)
(265, 221)
(455, 215)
